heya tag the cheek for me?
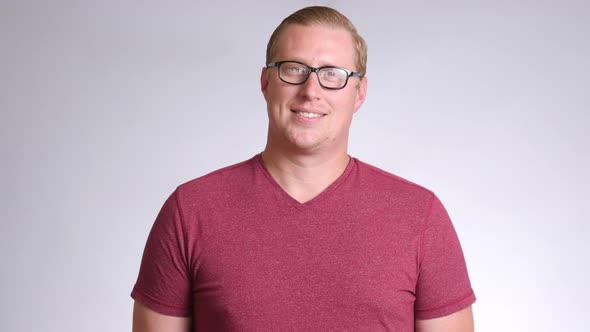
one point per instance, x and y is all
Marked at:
(279, 97)
(344, 104)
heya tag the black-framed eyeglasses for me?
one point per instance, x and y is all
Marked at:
(329, 77)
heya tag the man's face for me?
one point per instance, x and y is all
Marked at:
(308, 117)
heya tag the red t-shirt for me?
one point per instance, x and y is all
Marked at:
(235, 252)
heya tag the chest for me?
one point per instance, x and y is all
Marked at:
(356, 265)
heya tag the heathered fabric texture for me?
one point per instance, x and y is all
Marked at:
(373, 252)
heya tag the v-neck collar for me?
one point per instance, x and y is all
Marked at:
(283, 196)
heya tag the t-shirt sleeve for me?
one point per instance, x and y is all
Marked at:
(164, 283)
(443, 285)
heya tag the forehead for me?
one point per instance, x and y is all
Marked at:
(316, 45)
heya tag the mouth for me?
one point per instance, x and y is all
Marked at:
(309, 115)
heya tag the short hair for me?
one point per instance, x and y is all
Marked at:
(318, 15)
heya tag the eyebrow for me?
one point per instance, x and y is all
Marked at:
(322, 64)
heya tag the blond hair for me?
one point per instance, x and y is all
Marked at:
(317, 15)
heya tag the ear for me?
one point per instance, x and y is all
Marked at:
(264, 81)
(361, 93)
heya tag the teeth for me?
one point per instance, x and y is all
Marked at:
(309, 115)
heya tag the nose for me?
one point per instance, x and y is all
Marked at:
(311, 87)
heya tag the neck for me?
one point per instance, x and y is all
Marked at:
(304, 175)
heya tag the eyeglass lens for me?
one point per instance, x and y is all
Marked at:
(297, 73)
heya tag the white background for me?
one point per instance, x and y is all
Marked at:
(106, 106)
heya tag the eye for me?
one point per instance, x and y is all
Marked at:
(333, 74)
(294, 69)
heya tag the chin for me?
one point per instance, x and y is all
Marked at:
(306, 144)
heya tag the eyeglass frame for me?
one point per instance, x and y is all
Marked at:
(316, 70)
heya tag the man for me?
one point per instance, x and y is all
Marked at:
(303, 237)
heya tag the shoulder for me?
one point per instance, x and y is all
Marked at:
(380, 180)
(225, 180)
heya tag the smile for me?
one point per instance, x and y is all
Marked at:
(309, 115)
